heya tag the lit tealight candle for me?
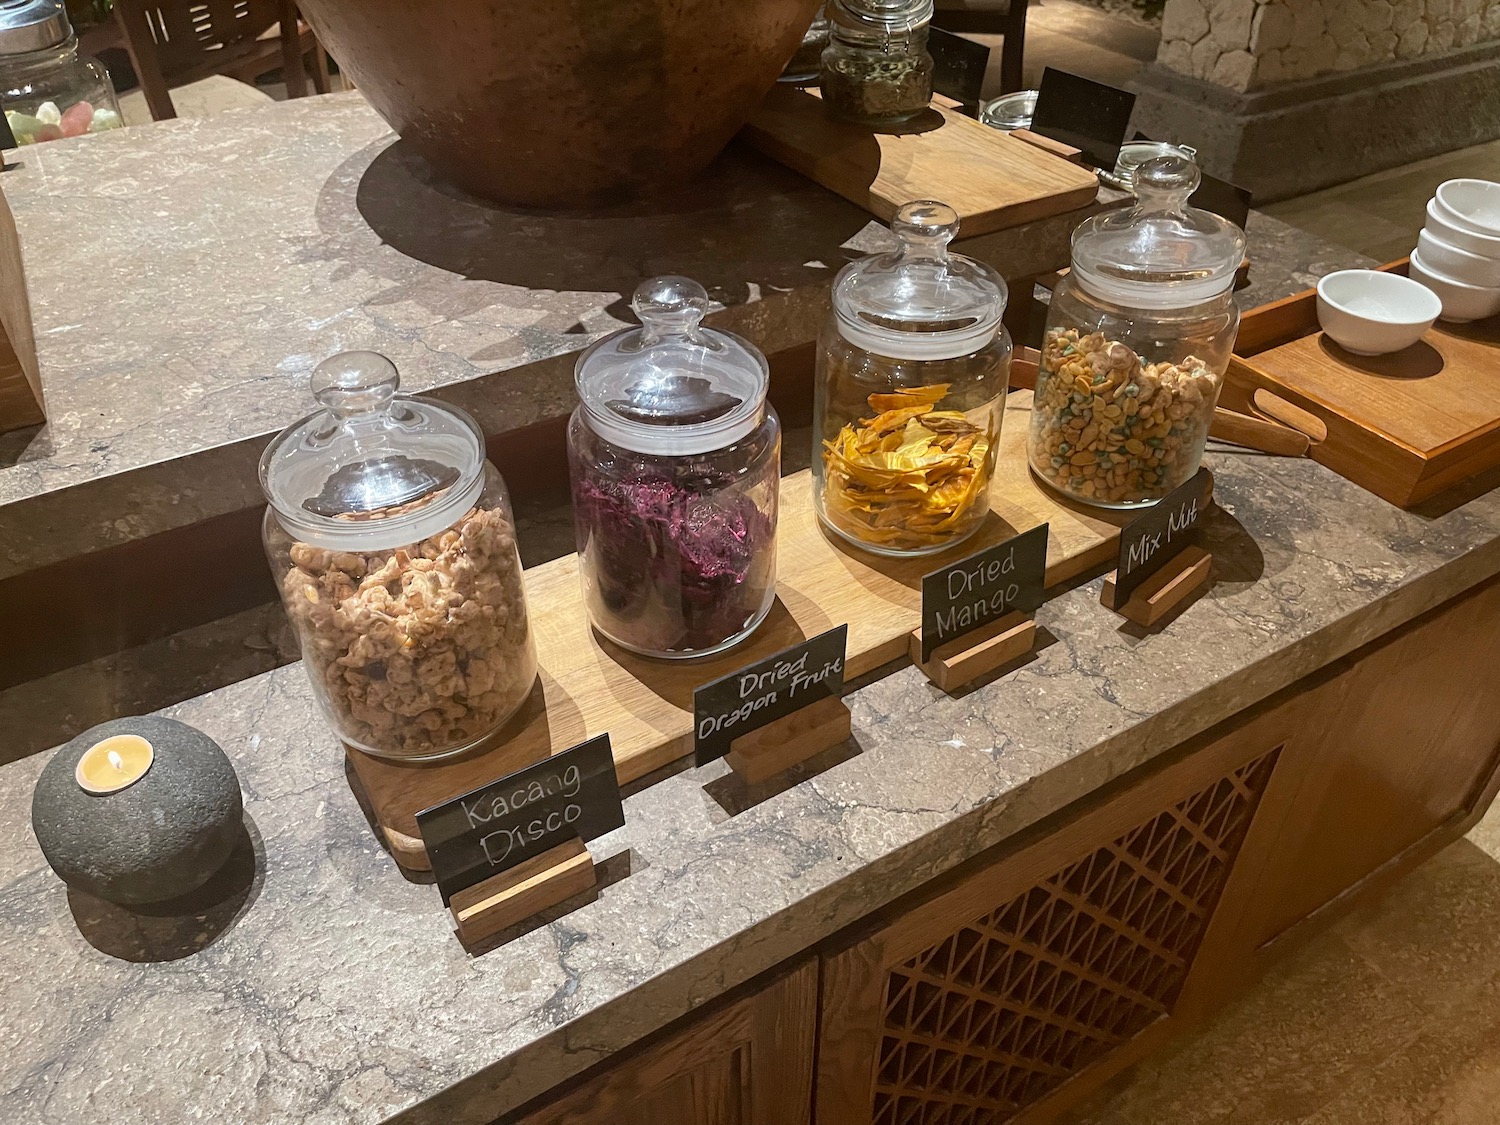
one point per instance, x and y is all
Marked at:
(114, 764)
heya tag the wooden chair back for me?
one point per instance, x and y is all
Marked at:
(174, 42)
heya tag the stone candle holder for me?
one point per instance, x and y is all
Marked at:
(137, 810)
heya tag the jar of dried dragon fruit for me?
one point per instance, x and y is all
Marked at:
(1138, 338)
(675, 459)
(392, 542)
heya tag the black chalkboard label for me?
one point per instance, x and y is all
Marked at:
(1009, 577)
(767, 690)
(1223, 199)
(1154, 538)
(958, 65)
(506, 822)
(1090, 116)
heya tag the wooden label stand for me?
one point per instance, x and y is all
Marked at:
(502, 900)
(964, 659)
(768, 750)
(1165, 590)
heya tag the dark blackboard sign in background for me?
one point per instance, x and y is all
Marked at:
(1223, 199)
(765, 691)
(1159, 534)
(958, 66)
(493, 828)
(1090, 116)
(1009, 577)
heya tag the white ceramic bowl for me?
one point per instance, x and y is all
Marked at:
(1461, 302)
(1454, 235)
(1451, 261)
(1372, 313)
(1471, 204)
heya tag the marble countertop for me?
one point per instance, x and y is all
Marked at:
(318, 986)
(185, 278)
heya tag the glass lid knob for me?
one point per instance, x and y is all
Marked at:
(669, 306)
(1164, 183)
(925, 227)
(353, 383)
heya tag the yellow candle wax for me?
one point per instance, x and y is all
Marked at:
(114, 764)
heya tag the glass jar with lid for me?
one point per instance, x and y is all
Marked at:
(391, 539)
(913, 367)
(1010, 112)
(876, 69)
(675, 460)
(1138, 338)
(48, 91)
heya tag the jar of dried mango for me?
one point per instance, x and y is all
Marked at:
(1138, 338)
(392, 542)
(913, 366)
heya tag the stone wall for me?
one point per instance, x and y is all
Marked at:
(1250, 44)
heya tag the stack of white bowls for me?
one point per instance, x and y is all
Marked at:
(1458, 251)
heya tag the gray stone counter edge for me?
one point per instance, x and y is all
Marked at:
(656, 1002)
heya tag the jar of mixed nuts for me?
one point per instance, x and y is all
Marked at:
(1137, 342)
(913, 366)
(391, 539)
(876, 69)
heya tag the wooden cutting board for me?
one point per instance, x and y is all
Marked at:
(991, 179)
(1405, 426)
(589, 686)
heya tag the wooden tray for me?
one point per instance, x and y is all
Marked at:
(589, 686)
(991, 179)
(1405, 426)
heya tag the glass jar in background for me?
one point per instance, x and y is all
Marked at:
(48, 91)
(913, 368)
(392, 542)
(675, 459)
(876, 69)
(1009, 112)
(1138, 338)
(1134, 154)
(803, 69)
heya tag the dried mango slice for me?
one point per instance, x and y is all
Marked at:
(909, 396)
(893, 419)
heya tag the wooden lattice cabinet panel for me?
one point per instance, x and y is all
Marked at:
(747, 1062)
(971, 1006)
(1403, 760)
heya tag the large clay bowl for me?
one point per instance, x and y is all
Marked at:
(563, 103)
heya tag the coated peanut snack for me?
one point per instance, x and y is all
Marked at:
(419, 650)
(1110, 428)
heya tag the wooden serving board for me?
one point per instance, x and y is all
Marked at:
(590, 686)
(1405, 426)
(991, 179)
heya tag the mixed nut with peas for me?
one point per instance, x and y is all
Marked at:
(1110, 428)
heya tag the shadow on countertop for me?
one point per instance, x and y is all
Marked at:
(179, 927)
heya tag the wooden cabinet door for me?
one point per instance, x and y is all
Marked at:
(983, 1001)
(748, 1062)
(1400, 757)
